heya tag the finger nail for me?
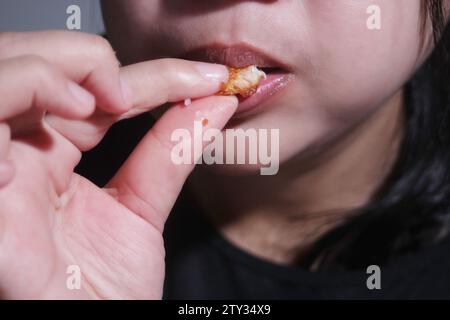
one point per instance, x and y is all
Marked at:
(80, 94)
(210, 71)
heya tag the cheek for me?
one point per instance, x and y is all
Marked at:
(357, 68)
(132, 27)
(351, 71)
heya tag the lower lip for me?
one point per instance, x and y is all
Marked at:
(272, 86)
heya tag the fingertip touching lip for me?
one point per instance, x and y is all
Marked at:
(246, 65)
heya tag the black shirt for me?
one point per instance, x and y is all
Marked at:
(201, 264)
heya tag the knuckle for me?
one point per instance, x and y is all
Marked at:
(38, 67)
(169, 65)
(172, 71)
(37, 72)
(103, 50)
(7, 39)
(161, 139)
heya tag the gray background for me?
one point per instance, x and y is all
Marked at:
(27, 15)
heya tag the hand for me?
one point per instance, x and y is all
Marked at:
(60, 92)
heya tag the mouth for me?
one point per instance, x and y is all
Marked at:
(278, 74)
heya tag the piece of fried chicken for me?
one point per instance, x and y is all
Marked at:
(242, 81)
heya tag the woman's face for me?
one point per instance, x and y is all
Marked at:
(342, 70)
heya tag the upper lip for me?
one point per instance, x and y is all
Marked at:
(236, 56)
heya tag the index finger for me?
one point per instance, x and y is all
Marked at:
(88, 60)
(156, 82)
(151, 84)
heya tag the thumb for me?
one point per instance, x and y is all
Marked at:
(149, 181)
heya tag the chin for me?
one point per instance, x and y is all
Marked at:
(236, 170)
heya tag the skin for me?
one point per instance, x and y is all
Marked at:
(51, 218)
(339, 125)
(340, 121)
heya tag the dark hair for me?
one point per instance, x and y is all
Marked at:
(412, 209)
